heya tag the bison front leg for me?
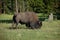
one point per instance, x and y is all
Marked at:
(28, 25)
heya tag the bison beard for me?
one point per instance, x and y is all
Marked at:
(29, 18)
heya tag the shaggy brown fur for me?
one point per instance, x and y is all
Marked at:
(29, 18)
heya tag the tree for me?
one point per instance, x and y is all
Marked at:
(0, 6)
(16, 6)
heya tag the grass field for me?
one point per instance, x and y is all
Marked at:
(48, 31)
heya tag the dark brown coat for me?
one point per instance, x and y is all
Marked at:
(29, 18)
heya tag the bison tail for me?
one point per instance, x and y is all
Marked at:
(14, 18)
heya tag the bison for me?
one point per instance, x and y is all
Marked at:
(30, 19)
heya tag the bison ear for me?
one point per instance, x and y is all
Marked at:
(40, 22)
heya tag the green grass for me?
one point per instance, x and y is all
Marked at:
(48, 31)
(5, 17)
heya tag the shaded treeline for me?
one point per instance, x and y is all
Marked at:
(5, 21)
(39, 6)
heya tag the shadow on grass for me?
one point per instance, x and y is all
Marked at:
(10, 26)
(18, 28)
(5, 21)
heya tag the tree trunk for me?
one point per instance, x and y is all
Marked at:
(12, 5)
(23, 6)
(16, 6)
(0, 6)
(3, 6)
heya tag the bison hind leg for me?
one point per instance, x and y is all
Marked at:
(14, 25)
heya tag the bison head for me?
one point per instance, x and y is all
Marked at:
(36, 25)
